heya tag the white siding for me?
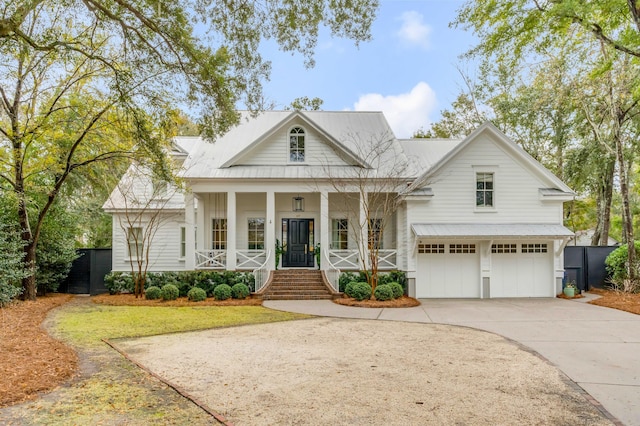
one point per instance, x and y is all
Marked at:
(516, 191)
(275, 150)
(165, 246)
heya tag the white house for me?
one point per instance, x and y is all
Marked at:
(475, 218)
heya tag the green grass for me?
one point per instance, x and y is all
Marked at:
(86, 325)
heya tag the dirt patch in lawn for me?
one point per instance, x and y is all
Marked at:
(629, 302)
(32, 361)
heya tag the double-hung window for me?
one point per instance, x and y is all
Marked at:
(484, 190)
(339, 234)
(183, 242)
(296, 145)
(134, 242)
(219, 234)
(255, 236)
(375, 234)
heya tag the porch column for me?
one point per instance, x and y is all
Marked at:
(231, 231)
(364, 227)
(270, 223)
(324, 227)
(200, 227)
(189, 238)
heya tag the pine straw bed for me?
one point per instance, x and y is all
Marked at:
(32, 361)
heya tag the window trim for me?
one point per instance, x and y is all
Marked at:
(493, 170)
(182, 247)
(256, 231)
(336, 244)
(140, 248)
(303, 134)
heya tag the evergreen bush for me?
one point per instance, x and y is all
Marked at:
(152, 293)
(397, 289)
(196, 294)
(222, 292)
(344, 279)
(240, 291)
(616, 262)
(170, 292)
(361, 291)
(349, 288)
(118, 282)
(383, 292)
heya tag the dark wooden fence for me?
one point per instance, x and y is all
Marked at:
(585, 265)
(87, 272)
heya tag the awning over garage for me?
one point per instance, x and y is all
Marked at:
(490, 231)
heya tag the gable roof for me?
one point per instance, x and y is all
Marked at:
(505, 143)
(341, 130)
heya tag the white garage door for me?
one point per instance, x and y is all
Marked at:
(448, 270)
(522, 270)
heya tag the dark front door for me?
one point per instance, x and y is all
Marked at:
(298, 233)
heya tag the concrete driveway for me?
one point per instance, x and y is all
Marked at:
(598, 348)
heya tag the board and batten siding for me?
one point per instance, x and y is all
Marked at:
(165, 247)
(516, 191)
(275, 150)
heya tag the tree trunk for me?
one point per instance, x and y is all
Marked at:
(603, 206)
(29, 282)
(627, 219)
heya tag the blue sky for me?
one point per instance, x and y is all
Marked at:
(409, 70)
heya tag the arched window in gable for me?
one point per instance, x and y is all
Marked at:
(296, 145)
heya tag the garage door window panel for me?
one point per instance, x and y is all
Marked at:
(534, 248)
(462, 248)
(431, 248)
(504, 248)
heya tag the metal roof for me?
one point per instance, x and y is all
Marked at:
(469, 230)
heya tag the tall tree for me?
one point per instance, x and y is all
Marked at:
(72, 71)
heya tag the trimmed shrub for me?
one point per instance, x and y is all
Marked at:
(361, 291)
(397, 290)
(349, 288)
(222, 292)
(170, 292)
(196, 294)
(344, 279)
(617, 262)
(383, 292)
(118, 282)
(393, 276)
(152, 293)
(240, 291)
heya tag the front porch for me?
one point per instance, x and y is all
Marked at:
(263, 231)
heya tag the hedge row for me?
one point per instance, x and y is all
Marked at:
(122, 282)
(383, 278)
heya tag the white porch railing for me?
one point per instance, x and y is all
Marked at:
(250, 259)
(387, 259)
(211, 259)
(344, 259)
(350, 259)
(332, 273)
(261, 274)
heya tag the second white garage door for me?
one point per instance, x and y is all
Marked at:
(523, 269)
(448, 270)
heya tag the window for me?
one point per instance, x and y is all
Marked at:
(430, 248)
(484, 189)
(183, 242)
(462, 248)
(375, 234)
(296, 145)
(256, 233)
(340, 234)
(504, 248)
(135, 242)
(534, 248)
(219, 234)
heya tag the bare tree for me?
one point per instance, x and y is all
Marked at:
(372, 193)
(143, 203)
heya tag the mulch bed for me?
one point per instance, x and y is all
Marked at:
(401, 302)
(629, 302)
(32, 361)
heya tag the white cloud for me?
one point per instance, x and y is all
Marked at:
(406, 112)
(413, 30)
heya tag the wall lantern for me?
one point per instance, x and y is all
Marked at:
(298, 204)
